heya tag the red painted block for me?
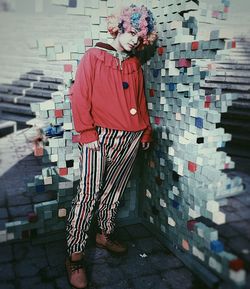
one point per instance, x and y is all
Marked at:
(195, 45)
(157, 120)
(208, 98)
(207, 104)
(236, 264)
(32, 217)
(59, 113)
(192, 166)
(233, 44)
(88, 42)
(226, 166)
(68, 68)
(226, 9)
(63, 171)
(191, 224)
(151, 92)
(75, 138)
(183, 62)
(160, 50)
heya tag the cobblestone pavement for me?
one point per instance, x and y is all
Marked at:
(39, 263)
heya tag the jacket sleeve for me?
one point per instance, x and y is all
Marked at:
(81, 97)
(147, 134)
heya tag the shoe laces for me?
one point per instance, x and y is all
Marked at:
(76, 265)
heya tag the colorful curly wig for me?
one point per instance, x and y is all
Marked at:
(139, 18)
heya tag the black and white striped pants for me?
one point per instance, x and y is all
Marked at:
(104, 175)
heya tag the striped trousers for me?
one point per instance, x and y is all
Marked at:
(104, 175)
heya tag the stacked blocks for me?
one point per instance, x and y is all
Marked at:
(184, 178)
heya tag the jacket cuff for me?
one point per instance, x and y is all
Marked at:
(88, 136)
(147, 136)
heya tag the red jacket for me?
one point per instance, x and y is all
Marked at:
(109, 94)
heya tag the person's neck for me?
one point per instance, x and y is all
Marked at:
(117, 45)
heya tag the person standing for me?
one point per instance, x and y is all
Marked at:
(110, 112)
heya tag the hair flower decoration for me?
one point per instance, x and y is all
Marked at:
(139, 18)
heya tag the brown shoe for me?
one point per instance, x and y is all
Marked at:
(106, 242)
(76, 274)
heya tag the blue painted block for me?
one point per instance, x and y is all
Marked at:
(73, 3)
(171, 86)
(155, 72)
(199, 122)
(216, 246)
(175, 204)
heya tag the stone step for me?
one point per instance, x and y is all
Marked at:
(228, 79)
(19, 99)
(22, 83)
(243, 96)
(235, 126)
(51, 79)
(235, 73)
(232, 66)
(12, 89)
(226, 86)
(244, 104)
(237, 114)
(16, 109)
(19, 119)
(44, 93)
(28, 76)
(46, 85)
(7, 127)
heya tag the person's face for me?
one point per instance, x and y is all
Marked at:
(128, 40)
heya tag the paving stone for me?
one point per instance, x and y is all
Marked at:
(3, 213)
(96, 255)
(149, 245)
(30, 267)
(244, 213)
(2, 195)
(7, 286)
(226, 230)
(242, 227)
(19, 211)
(244, 198)
(7, 272)
(17, 200)
(62, 283)
(149, 282)
(102, 274)
(50, 273)
(45, 286)
(162, 261)
(137, 266)
(138, 231)
(235, 203)
(6, 253)
(26, 250)
(239, 243)
(232, 217)
(120, 285)
(30, 282)
(178, 278)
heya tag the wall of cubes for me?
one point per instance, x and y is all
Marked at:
(185, 177)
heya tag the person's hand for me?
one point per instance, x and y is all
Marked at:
(95, 145)
(145, 145)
